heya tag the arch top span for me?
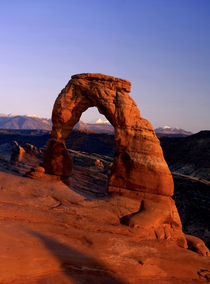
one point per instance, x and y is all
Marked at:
(117, 82)
(109, 94)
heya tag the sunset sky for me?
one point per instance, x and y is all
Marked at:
(161, 46)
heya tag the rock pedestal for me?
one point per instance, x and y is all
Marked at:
(17, 153)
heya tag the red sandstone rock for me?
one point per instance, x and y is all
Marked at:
(139, 163)
(197, 245)
(57, 160)
(51, 234)
(39, 169)
(99, 164)
(17, 153)
(139, 169)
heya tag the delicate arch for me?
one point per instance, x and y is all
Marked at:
(139, 166)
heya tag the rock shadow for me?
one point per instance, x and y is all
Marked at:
(77, 266)
(89, 183)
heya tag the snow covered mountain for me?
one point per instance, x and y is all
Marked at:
(31, 121)
(167, 130)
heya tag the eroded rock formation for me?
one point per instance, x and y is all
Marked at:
(139, 169)
(17, 153)
(139, 164)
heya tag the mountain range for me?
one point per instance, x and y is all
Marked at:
(167, 131)
(14, 121)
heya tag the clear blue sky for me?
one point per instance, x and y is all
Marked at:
(161, 46)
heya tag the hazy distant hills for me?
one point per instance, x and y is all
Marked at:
(13, 121)
(24, 122)
(19, 122)
(108, 128)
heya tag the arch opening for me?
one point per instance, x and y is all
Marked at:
(92, 116)
(91, 146)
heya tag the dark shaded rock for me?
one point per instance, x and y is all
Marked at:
(189, 155)
(193, 203)
(57, 159)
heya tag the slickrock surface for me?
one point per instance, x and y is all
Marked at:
(51, 234)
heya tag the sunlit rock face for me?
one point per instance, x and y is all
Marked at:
(139, 170)
(139, 165)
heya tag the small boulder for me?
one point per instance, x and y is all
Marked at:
(39, 169)
(99, 164)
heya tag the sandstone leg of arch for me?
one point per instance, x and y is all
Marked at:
(139, 168)
(57, 160)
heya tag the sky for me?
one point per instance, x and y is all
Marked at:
(161, 46)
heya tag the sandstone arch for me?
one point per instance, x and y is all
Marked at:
(139, 165)
(139, 169)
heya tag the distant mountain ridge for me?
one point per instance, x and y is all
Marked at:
(30, 121)
(24, 122)
(95, 127)
(167, 130)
